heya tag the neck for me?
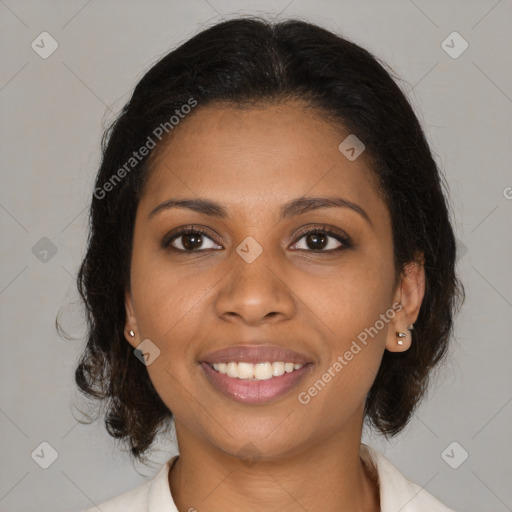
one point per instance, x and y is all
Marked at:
(329, 476)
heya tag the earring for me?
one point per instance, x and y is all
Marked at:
(399, 339)
(131, 333)
(410, 327)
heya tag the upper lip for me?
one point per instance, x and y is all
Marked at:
(254, 354)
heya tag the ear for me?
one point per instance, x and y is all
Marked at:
(131, 321)
(409, 294)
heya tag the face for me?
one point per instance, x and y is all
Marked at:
(264, 275)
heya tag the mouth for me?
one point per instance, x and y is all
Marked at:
(255, 374)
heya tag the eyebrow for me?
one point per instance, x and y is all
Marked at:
(294, 207)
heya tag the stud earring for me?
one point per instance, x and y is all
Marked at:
(399, 336)
(131, 333)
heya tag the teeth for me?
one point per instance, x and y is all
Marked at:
(258, 371)
(230, 369)
(245, 371)
(277, 369)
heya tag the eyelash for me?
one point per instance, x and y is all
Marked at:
(324, 230)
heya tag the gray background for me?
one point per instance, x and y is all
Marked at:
(53, 112)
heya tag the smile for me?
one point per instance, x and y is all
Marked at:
(255, 384)
(258, 371)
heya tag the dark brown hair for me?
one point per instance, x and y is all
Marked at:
(246, 61)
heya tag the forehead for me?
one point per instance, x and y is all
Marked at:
(250, 157)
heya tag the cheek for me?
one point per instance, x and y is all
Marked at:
(167, 294)
(170, 302)
(354, 313)
(353, 345)
(353, 299)
(167, 308)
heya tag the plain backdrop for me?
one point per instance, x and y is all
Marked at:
(53, 112)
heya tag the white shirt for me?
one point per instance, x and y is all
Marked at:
(397, 493)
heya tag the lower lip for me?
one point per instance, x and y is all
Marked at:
(254, 391)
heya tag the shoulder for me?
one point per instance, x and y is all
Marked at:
(150, 496)
(134, 500)
(396, 491)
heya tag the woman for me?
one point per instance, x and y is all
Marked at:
(270, 264)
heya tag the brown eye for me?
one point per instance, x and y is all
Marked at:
(190, 240)
(317, 241)
(321, 240)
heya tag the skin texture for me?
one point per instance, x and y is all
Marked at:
(252, 161)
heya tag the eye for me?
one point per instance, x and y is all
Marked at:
(196, 239)
(322, 240)
(192, 239)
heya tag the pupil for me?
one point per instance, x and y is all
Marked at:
(317, 239)
(192, 240)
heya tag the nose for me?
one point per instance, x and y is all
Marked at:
(255, 293)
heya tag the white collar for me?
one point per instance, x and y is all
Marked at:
(397, 493)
